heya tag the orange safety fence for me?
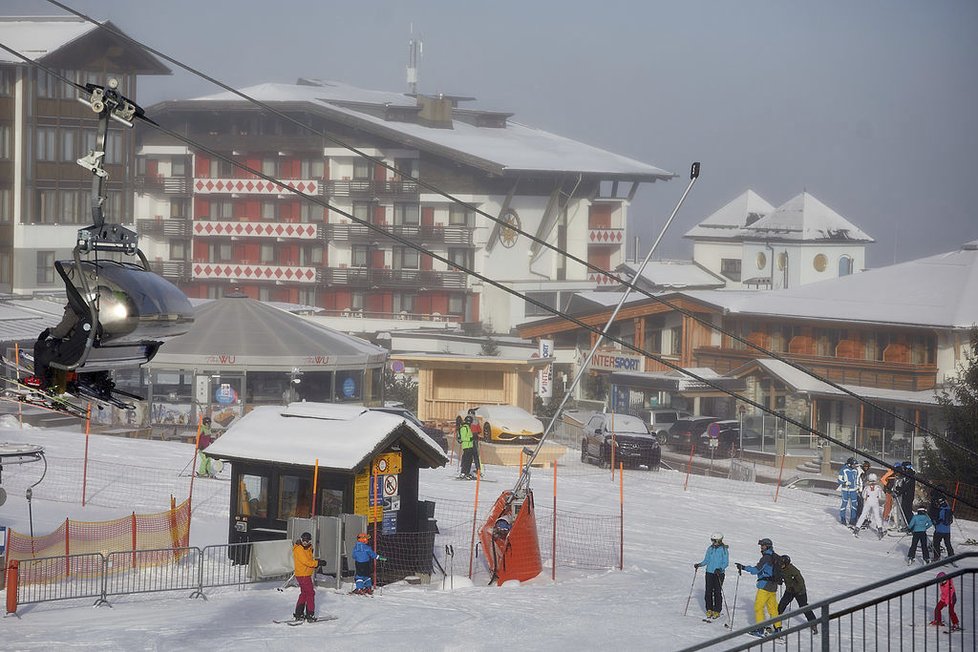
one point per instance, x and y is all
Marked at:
(163, 530)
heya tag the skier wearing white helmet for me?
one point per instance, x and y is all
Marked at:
(715, 560)
(872, 495)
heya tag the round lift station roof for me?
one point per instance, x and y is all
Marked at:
(237, 332)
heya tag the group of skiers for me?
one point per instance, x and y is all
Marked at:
(862, 493)
(305, 565)
(771, 571)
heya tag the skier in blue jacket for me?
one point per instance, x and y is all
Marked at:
(363, 556)
(715, 560)
(849, 486)
(768, 579)
(942, 528)
(918, 526)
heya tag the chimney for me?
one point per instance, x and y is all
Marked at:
(436, 111)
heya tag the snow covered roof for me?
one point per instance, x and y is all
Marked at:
(673, 380)
(938, 291)
(800, 381)
(512, 147)
(341, 437)
(37, 36)
(732, 217)
(801, 218)
(75, 43)
(804, 218)
(245, 333)
(673, 275)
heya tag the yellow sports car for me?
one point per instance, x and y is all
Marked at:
(506, 424)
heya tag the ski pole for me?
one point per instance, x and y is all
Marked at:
(734, 609)
(726, 605)
(696, 570)
(893, 549)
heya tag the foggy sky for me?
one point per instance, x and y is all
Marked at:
(868, 105)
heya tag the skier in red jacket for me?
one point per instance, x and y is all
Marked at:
(948, 596)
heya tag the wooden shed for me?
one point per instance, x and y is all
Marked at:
(449, 383)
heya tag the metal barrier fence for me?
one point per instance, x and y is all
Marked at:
(896, 619)
(99, 576)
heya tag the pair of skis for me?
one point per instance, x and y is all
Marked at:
(295, 622)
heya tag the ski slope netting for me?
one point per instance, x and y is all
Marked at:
(158, 533)
(116, 484)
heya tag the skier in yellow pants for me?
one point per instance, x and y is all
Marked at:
(767, 587)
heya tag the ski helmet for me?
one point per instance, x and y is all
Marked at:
(765, 542)
(851, 461)
(785, 560)
(363, 537)
(716, 536)
(206, 421)
(468, 419)
(907, 465)
(872, 477)
(305, 537)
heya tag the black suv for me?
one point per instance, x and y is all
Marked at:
(634, 445)
(685, 432)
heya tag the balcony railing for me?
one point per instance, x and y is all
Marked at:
(235, 229)
(605, 237)
(208, 186)
(174, 227)
(173, 270)
(256, 272)
(367, 188)
(365, 277)
(165, 185)
(452, 235)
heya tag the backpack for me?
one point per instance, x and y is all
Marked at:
(776, 576)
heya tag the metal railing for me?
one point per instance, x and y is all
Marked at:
(97, 576)
(897, 619)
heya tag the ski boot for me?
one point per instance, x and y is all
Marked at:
(937, 623)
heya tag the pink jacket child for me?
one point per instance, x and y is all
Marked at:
(948, 596)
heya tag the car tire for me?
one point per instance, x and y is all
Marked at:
(605, 458)
(487, 432)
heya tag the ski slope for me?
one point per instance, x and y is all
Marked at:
(666, 530)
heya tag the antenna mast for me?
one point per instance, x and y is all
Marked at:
(415, 48)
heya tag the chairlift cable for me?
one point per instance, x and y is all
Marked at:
(500, 286)
(533, 238)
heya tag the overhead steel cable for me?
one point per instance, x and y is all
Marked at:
(284, 185)
(630, 284)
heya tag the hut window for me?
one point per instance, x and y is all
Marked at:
(253, 496)
(294, 497)
(332, 502)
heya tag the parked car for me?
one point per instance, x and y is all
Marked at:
(435, 433)
(685, 432)
(824, 486)
(730, 439)
(633, 443)
(661, 419)
(507, 423)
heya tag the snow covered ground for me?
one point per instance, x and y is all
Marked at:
(666, 530)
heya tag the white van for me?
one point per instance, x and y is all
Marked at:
(661, 419)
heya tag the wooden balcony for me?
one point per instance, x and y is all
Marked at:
(369, 189)
(369, 278)
(450, 235)
(174, 227)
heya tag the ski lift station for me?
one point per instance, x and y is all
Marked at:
(318, 462)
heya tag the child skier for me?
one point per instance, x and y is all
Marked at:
(768, 578)
(304, 566)
(363, 556)
(872, 494)
(946, 598)
(942, 528)
(715, 560)
(467, 440)
(919, 525)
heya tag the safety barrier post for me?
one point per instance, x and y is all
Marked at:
(88, 427)
(621, 519)
(475, 517)
(780, 473)
(315, 486)
(954, 501)
(133, 539)
(67, 548)
(553, 543)
(11, 571)
(689, 466)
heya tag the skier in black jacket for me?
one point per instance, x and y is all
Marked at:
(794, 589)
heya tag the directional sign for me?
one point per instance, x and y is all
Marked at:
(390, 486)
(713, 430)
